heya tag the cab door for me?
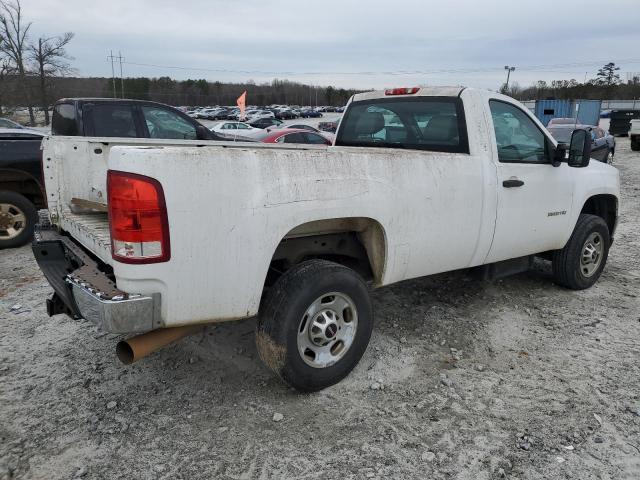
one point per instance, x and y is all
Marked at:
(534, 197)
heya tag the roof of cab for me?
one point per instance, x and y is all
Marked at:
(423, 92)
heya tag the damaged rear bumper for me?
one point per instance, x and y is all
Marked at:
(84, 290)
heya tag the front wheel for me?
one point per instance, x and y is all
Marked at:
(315, 324)
(579, 264)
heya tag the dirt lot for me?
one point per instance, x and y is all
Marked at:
(463, 379)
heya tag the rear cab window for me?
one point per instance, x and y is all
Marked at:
(110, 120)
(435, 124)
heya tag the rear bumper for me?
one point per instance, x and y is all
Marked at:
(83, 289)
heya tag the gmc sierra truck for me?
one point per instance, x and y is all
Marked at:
(153, 237)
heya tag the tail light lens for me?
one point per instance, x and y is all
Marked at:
(137, 218)
(401, 91)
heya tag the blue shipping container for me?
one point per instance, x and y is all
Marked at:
(588, 111)
(548, 109)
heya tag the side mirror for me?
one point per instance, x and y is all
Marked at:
(202, 133)
(580, 149)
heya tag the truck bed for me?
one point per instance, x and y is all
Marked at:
(91, 230)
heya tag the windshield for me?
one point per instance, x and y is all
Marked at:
(421, 123)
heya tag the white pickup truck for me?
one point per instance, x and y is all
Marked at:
(634, 135)
(147, 235)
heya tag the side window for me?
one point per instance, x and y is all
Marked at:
(294, 138)
(113, 120)
(315, 139)
(64, 120)
(163, 123)
(518, 138)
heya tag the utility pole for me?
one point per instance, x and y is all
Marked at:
(113, 72)
(509, 70)
(121, 77)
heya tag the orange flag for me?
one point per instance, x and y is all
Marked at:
(242, 103)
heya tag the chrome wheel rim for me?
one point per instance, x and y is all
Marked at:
(327, 329)
(591, 257)
(610, 157)
(12, 221)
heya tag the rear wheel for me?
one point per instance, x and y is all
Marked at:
(635, 145)
(579, 264)
(609, 158)
(17, 219)
(315, 324)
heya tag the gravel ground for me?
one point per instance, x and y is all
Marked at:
(463, 379)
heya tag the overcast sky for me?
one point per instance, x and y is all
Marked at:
(466, 42)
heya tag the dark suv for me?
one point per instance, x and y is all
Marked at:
(105, 117)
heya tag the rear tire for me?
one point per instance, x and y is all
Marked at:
(635, 146)
(17, 218)
(315, 324)
(580, 263)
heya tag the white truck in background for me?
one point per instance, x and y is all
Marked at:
(634, 135)
(159, 236)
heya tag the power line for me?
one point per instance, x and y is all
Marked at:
(539, 68)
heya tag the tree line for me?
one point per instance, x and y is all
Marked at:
(606, 85)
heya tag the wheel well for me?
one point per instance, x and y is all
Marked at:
(605, 207)
(24, 184)
(358, 243)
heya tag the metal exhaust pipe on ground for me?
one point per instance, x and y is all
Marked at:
(135, 348)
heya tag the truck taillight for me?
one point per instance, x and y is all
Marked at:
(137, 218)
(401, 91)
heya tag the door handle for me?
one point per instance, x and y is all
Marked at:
(512, 182)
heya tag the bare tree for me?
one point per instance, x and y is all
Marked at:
(13, 32)
(50, 59)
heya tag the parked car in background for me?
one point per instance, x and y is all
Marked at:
(6, 123)
(634, 135)
(253, 115)
(331, 126)
(562, 121)
(107, 117)
(603, 145)
(232, 129)
(304, 127)
(21, 189)
(293, 135)
(266, 122)
(285, 114)
(310, 113)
